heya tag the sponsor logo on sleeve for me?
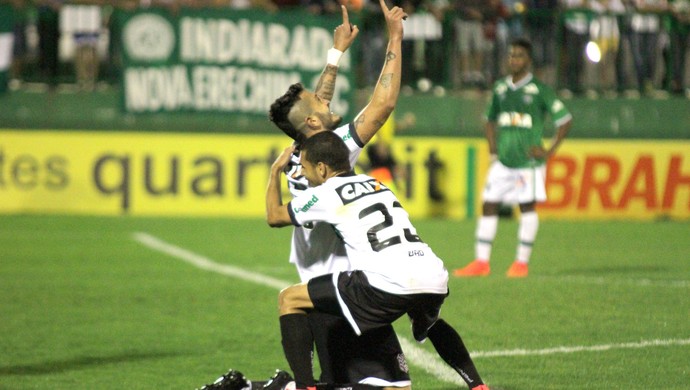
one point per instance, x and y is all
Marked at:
(307, 206)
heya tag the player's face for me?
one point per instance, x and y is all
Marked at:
(518, 60)
(321, 109)
(310, 171)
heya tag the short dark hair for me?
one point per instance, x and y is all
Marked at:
(328, 148)
(280, 109)
(523, 43)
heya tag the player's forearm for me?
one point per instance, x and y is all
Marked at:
(490, 132)
(343, 36)
(326, 85)
(385, 95)
(560, 135)
(274, 201)
(387, 87)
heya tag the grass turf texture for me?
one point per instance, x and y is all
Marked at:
(84, 306)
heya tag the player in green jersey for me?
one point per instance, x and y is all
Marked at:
(519, 106)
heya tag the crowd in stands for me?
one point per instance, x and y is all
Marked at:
(581, 47)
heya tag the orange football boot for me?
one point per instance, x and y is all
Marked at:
(518, 269)
(475, 268)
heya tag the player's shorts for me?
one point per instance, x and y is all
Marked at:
(368, 309)
(515, 185)
(374, 358)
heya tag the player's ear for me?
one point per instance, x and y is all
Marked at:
(313, 122)
(322, 169)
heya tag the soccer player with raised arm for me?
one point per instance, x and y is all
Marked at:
(514, 130)
(393, 272)
(377, 358)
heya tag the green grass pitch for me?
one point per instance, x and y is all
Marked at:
(85, 305)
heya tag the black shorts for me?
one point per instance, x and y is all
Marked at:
(367, 308)
(374, 358)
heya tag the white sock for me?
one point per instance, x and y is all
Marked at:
(527, 233)
(486, 232)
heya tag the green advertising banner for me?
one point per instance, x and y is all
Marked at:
(223, 60)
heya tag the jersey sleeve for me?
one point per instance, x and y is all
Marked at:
(354, 144)
(312, 205)
(559, 112)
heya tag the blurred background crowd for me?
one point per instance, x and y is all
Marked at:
(581, 47)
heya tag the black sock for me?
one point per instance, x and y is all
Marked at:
(450, 348)
(328, 330)
(297, 346)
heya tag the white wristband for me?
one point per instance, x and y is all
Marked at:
(333, 56)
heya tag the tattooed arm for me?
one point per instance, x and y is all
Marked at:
(326, 86)
(343, 36)
(387, 89)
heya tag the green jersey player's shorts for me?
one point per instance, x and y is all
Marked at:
(515, 185)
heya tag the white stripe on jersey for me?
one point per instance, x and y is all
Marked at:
(379, 237)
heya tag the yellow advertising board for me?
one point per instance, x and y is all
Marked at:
(135, 173)
(113, 173)
(172, 174)
(437, 174)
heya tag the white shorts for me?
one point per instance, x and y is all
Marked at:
(515, 185)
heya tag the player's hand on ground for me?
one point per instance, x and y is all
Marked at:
(394, 18)
(282, 161)
(344, 34)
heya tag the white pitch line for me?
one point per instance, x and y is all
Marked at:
(421, 358)
(207, 264)
(620, 282)
(581, 348)
(429, 362)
